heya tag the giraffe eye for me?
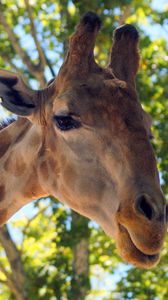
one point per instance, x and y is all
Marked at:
(66, 122)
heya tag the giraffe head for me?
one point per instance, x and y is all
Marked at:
(94, 150)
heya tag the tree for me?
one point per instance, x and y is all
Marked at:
(33, 42)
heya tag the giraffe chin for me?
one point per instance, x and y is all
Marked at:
(130, 253)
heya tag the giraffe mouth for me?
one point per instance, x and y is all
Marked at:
(132, 254)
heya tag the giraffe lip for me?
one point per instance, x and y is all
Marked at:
(142, 258)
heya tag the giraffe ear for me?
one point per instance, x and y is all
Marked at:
(15, 96)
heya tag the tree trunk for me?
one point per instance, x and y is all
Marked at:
(80, 234)
(17, 279)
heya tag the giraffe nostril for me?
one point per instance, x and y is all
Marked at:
(144, 207)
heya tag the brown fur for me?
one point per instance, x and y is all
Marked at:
(3, 215)
(5, 143)
(15, 165)
(32, 187)
(105, 169)
(44, 170)
(2, 192)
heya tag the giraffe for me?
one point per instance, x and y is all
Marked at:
(85, 139)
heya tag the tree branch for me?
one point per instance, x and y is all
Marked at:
(50, 66)
(34, 34)
(15, 43)
(9, 280)
(40, 211)
(17, 279)
(42, 56)
(35, 70)
(125, 15)
(13, 66)
(2, 269)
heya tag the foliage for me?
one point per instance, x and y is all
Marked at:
(46, 239)
(45, 242)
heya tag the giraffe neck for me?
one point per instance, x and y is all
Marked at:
(20, 144)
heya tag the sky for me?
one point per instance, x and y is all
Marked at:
(159, 4)
(107, 281)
